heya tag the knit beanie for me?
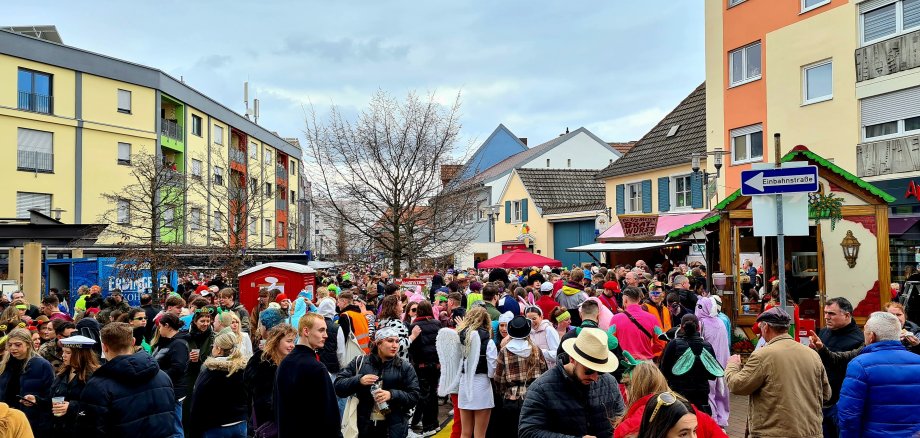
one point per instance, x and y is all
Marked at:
(270, 317)
(281, 297)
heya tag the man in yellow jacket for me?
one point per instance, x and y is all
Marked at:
(785, 380)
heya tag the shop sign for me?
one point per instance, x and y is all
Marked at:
(639, 226)
(913, 191)
(414, 282)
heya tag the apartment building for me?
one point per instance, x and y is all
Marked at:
(79, 118)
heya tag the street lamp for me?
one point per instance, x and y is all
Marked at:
(695, 165)
(491, 211)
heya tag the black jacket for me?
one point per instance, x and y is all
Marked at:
(422, 350)
(217, 399)
(36, 380)
(688, 298)
(151, 311)
(558, 404)
(563, 357)
(327, 354)
(299, 374)
(202, 341)
(259, 381)
(128, 397)
(849, 337)
(72, 392)
(171, 354)
(694, 381)
(397, 376)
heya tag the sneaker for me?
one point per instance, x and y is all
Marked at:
(431, 432)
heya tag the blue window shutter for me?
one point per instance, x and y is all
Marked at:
(507, 212)
(664, 194)
(696, 189)
(647, 196)
(621, 199)
(523, 210)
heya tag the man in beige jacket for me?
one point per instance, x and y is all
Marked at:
(785, 380)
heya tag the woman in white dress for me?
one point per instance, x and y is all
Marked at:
(478, 366)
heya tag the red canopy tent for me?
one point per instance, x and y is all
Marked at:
(518, 259)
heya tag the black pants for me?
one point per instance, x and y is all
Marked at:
(427, 408)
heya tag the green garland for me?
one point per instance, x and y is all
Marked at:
(821, 206)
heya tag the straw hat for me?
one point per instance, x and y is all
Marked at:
(590, 350)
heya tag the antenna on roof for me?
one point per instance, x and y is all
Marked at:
(255, 111)
(246, 98)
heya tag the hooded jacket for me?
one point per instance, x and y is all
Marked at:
(571, 296)
(218, 398)
(13, 423)
(129, 396)
(396, 376)
(706, 426)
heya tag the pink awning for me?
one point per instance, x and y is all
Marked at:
(666, 224)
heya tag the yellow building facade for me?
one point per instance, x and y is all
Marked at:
(72, 120)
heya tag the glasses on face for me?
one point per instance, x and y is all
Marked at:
(140, 318)
(664, 399)
(589, 371)
(412, 310)
(204, 310)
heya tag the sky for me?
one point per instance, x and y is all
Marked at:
(538, 67)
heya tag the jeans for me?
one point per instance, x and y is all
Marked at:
(830, 422)
(181, 431)
(341, 401)
(236, 431)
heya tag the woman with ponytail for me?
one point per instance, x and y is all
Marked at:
(219, 401)
(688, 363)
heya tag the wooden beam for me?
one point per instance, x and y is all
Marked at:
(884, 254)
(741, 214)
(860, 210)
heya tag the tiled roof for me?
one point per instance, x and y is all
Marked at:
(623, 147)
(656, 149)
(563, 190)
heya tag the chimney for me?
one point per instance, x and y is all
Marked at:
(448, 172)
(523, 140)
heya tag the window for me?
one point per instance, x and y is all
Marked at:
(122, 211)
(896, 128)
(634, 198)
(808, 5)
(267, 156)
(734, 2)
(35, 151)
(280, 229)
(253, 150)
(268, 189)
(124, 101)
(124, 154)
(747, 144)
(195, 219)
(818, 82)
(516, 214)
(292, 196)
(218, 224)
(267, 227)
(26, 201)
(254, 184)
(568, 163)
(196, 125)
(682, 191)
(196, 168)
(35, 91)
(253, 224)
(218, 176)
(889, 20)
(293, 168)
(169, 217)
(744, 64)
(673, 131)
(218, 135)
(547, 162)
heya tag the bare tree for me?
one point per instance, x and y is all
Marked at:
(380, 174)
(228, 207)
(146, 218)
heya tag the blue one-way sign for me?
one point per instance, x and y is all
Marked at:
(783, 180)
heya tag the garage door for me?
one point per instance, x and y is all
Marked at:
(568, 235)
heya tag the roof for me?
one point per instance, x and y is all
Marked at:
(287, 266)
(623, 147)
(482, 158)
(556, 191)
(46, 32)
(657, 149)
(47, 52)
(522, 158)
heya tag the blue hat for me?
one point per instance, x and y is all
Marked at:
(270, 317)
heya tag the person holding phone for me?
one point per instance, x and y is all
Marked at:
(25, 380)
(78, 366)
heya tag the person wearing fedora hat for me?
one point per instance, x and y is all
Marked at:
(518, 365)
(577, 398)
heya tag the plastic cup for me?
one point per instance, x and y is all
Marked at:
(57, 401)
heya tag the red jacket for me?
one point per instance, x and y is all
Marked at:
(629, 427)
(546, 303)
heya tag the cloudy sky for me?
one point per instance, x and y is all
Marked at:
(615, 67)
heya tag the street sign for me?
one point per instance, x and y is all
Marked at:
(778, 181)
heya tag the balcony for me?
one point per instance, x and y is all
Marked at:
(281, 204)
(887, 57)
(34, 161)
(38, 103)
(886, 157)
(237, 156)
(280, 172)
(171, 129)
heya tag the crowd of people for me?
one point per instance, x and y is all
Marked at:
(625, 351)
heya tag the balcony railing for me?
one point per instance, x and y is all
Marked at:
(280, 172)
(887, 57)
(237, 156)
(34, 161)
(38, 103)
(885, 157)
(171, 129)
(280, 204)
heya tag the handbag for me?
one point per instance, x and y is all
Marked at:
(350, 416)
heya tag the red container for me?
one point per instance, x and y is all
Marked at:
(289, 278)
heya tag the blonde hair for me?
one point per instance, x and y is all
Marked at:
(231, 358)
(645, 379)
(477, 318)
(321, 293)
(273, 340)
(226, 318)
(25, 336)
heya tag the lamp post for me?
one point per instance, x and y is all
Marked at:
(492, 211)
(695, 160)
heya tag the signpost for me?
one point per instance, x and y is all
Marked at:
(775, 182)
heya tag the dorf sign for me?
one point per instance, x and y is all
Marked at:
(779, 181)
(639, 226)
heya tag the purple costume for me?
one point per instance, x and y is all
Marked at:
(713, 331)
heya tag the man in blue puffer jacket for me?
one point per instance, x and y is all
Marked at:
(879, 394)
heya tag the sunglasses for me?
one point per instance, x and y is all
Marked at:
(664, 399)
(413, 310)
(205, 310)
(140, 318)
